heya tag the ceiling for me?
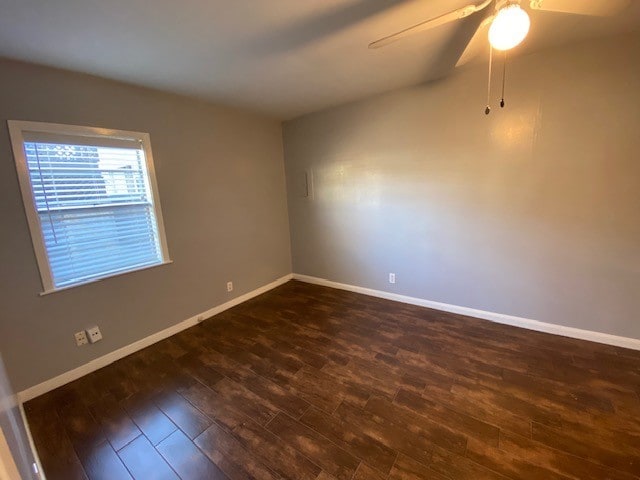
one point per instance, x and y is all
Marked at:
(284, 58)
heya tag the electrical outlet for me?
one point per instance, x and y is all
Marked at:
(229, 286)
(93, 334)
(392, 278)
(81, 338)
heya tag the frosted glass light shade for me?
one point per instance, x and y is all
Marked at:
(509, 28)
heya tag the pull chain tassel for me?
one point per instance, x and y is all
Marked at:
(487, 110)
(504, 75)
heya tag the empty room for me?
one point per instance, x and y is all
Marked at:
(333, 240)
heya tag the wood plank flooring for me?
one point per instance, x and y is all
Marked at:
(308, 382)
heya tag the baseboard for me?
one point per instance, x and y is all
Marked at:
(527, 323)
(109, 358)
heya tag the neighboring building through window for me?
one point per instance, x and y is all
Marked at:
(91, 200)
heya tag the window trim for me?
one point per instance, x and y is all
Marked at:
(16, 132)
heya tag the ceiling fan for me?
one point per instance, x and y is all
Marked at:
(508, 22)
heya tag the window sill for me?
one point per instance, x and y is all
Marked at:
(56, 290)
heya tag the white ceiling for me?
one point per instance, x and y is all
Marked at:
(281, 57)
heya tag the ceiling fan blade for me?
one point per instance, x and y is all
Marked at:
(596, 8)
(478, 43)
(431, 23)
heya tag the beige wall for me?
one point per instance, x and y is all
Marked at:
(222, 188)
(533, 211)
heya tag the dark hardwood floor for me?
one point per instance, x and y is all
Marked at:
(307, 382)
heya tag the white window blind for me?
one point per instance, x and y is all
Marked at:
(94, 203)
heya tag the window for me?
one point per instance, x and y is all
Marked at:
(91, 200)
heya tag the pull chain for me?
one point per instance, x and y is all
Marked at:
(504, 75)
(487, 110)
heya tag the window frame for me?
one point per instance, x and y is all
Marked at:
(16, 133)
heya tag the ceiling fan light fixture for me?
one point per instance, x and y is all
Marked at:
(509, 28)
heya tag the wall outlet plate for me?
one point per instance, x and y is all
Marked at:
(229, 286)
(392, 278)
(94, 334)
(81, 338)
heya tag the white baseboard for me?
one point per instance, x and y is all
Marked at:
(109, 358)
(536, 325)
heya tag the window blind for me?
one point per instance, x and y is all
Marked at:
(95, 207)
